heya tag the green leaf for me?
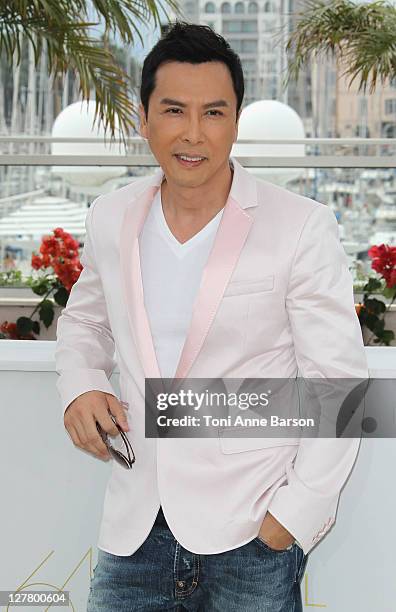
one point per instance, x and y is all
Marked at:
(379, 327)
(46, 312)
(24, 325)
(376, 306)
(61, 296)
(389, 292)
(387, 336)
(373, 284)
(41, 287)
(371, 321)
(36, 327)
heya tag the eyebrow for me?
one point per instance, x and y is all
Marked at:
(183, 105)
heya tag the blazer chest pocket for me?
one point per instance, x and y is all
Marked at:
(230, 445)
(248, 287)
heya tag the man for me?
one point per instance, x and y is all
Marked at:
(204, 271)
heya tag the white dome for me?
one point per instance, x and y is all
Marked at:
(270, 119)
(76, 120)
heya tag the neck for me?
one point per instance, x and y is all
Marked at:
(196, 204)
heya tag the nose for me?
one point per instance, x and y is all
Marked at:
(193, 131)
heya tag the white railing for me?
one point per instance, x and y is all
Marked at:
(311, 159)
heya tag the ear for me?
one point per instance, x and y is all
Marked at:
(142, 122)
(237, 125)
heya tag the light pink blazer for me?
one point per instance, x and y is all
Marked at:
(275, 299)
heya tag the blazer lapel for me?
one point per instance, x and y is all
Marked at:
(229, 240)
(131, 276)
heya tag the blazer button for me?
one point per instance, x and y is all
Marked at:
(180, 583)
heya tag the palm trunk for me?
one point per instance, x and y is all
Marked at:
(30, 124)
(65, 94)
(15, 111)
(41, 96)
(3, 124)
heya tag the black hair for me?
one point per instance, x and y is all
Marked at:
(195, 44)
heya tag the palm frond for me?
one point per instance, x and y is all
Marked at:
(122, 16)
(361, 36)
(64, 28)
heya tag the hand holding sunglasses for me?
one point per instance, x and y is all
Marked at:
(124, 455)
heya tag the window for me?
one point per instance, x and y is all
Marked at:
(269, 7)
(210, 7)
(239, 8)
(225, 7)
(249, 46)
(266, 46)
(362, 131)
(390, 106)
(239, 26)
(235, 44)
(363, 106)
(249, 26)
(253, 7)
(251, 86)
(249, 66)
(270, 65)
(269, 25)
(232, 26)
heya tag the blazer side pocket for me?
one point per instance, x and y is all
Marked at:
(242, 444)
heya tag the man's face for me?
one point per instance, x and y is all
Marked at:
(178, 121)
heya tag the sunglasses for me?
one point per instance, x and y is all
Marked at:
(126, 458)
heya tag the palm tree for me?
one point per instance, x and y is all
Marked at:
(64, 30)
(361, 37)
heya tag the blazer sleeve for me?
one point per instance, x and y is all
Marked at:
(85, 349)
(328, 344)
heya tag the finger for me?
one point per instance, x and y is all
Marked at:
(97, 446)
(118, 412)
(90, 439)
(86, 447)
(104, 418)
(75, 438)
(124, 404)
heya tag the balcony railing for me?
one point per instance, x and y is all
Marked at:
(356, 177)
(350, 153)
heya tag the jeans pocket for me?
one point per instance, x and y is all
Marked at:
(302, 565)
(261, 542)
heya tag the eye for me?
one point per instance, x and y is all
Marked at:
(177, 109)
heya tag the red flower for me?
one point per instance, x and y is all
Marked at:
(384, 262)
(59, 232)
(10, 329)
(36, 262)
(60, 252)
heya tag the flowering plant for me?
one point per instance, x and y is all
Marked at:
(372, 311)
(59, 255)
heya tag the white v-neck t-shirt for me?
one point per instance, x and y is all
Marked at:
(171, 275)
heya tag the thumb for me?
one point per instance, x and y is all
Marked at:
(118, 411)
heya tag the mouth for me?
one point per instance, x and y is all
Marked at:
(189, 163)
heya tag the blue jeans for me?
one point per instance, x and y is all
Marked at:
(162, 575)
